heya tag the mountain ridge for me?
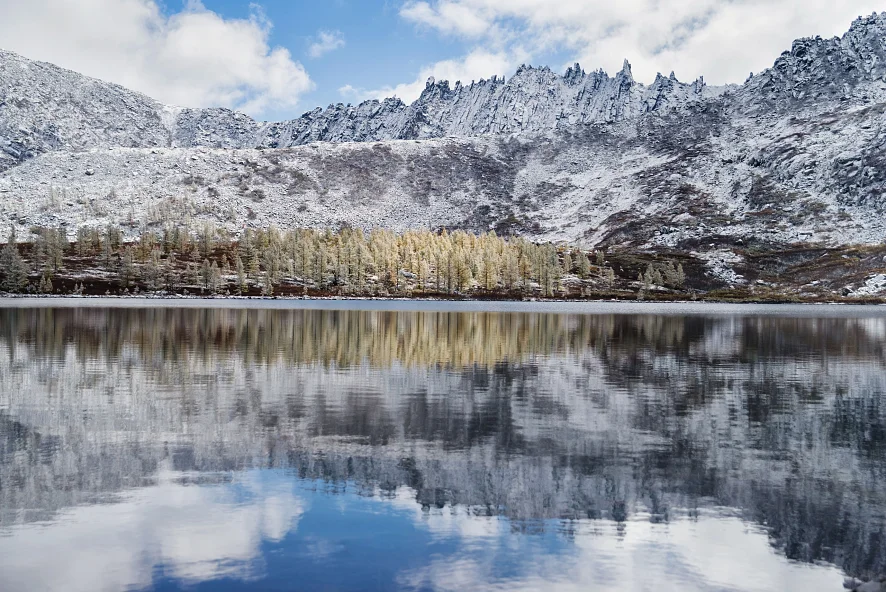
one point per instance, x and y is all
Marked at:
(489, 106)
(796, 155)
(440, 111)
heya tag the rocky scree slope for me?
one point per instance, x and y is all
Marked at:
(795, 154)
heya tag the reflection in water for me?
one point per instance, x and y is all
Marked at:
(196, 533)
(168, 447)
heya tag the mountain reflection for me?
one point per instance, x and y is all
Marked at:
(529, 417)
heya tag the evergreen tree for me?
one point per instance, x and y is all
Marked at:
(58, 246)
(171, 272)
(82, 241)
(205, 274)
(12, 266)
(584, 266)
(154, 270)
(45, 286)
(567, 263)
(241, 274)
(127, 268)
(206, 239)
(267, 288)
(215, 279)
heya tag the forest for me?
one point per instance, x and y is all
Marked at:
(210, 261)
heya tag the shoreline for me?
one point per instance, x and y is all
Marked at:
(872, 301)
(356, 304)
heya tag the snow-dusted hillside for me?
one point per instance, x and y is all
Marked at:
(682, 181)
(796, 154)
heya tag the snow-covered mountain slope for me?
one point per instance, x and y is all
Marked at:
(796, 154)
(684, 181)
(46, 108)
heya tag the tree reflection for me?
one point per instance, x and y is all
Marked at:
(529, 416)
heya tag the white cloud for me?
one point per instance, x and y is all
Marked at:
(710, 553)
(722, 40)
(196, 533)
(478, 64)
(449, 17)
(326, 41)
(193, 58)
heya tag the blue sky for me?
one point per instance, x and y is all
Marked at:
(257, 56)
(381, 49)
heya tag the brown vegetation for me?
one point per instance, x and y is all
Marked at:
(307, 262)
(414, 264)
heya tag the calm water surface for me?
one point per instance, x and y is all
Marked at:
(400, 446)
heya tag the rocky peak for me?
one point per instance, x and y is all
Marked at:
(866, 39)
(574, 74)
(626, 70)
(45, 108)
(815, 70)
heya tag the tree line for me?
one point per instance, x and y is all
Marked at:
(270, 261)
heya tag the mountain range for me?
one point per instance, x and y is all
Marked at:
(794, 155)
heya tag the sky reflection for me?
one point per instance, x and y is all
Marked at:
(277, 531)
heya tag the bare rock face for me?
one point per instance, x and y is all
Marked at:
(44, 108)
(795, 154)
(533, 100)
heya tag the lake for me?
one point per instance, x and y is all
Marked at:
(230, 445)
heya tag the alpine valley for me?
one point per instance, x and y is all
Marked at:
(775, 183)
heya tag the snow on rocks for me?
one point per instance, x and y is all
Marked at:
(873, 286)
(720, 266)
(796, 154)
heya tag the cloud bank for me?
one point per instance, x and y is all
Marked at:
(722, 40)
(478, 64)
(194, 58)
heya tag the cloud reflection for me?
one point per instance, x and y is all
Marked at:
(196, 533)
(710, 552)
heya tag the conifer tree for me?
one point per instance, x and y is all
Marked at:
(39, 250)
(171, 272)
(168, 241)
(106, 254)
(253, 263)
(58, 246)
(584, 266)
(215, 279)
(12, 266)
(114, 237)
(241, 274)
(82, 241)
(45, 286)
(206, 237)
(205, 274)
(127, 269)
(567, 263)
(154, 270)
(267, 287)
